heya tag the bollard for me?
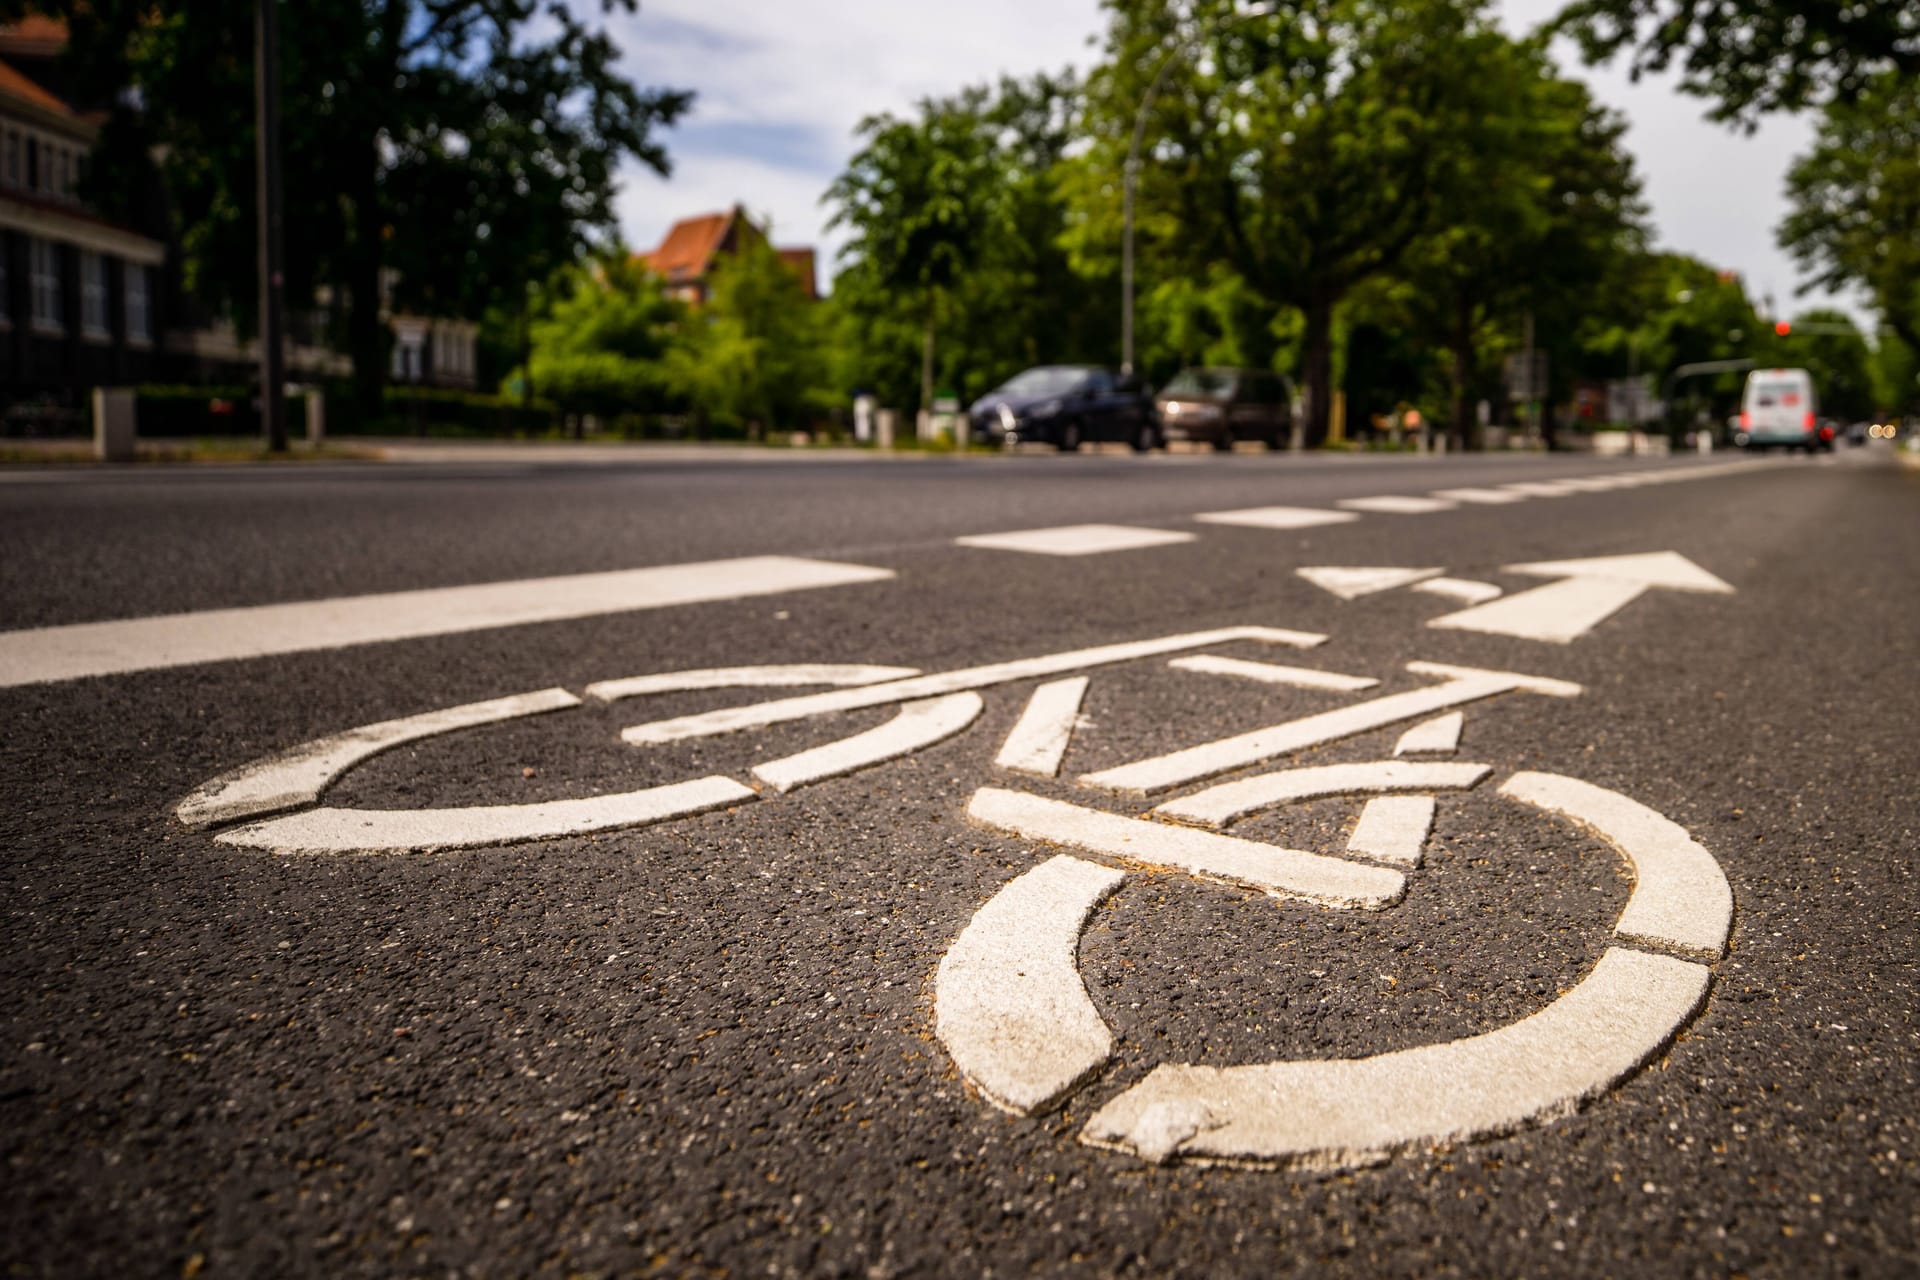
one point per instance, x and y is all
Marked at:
(316, 417)
(885, 423)
(115, 424)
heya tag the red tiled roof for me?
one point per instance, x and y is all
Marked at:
(33, 36)
(15, 85)
(687, 252)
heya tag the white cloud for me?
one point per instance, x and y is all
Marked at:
(782, 84)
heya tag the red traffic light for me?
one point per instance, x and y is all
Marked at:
(1782, 328)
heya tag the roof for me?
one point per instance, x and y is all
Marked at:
(14, 85)
(33, 36)
(687, 252)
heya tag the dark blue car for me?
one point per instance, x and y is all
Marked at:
(1063, 405)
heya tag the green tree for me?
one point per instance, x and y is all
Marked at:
(1896, 375)
(1754, 56)
(754, 355)
(1307, 149)
(1854, 201)
(1841, 363)
(600, 342)
(470, 146)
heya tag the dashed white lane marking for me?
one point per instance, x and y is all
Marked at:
(1345, 1112)
(1273, 673)
(1438, 735)
(1590, 592)
(1218, 805)
(1393, 829)
(221, 635)
(1038, 741)
(840, 674)
(298, 776)
(1681, 900)
(1396, 505)
(783, 710)
(1480, 497)
(397, 830)
(1278, 517)
(1352, 582)
(1542, 488)
(1284, 873)
(1461, 686)
(1076, 539)
(1469, 590)
(918, 724)
(1008, 1000)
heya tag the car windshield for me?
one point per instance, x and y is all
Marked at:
(1202, 382)
(1045, 382)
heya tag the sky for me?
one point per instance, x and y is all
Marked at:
(782, 84)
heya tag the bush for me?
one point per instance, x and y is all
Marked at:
(174, 413)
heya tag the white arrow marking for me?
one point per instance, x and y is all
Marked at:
(1592, 591)
(1465, 590)
(1352, 583)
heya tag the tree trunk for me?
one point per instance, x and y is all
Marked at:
(1465, 428)
(366, 333)
(1319, 359)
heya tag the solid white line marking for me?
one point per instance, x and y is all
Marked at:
(1393, 829)
(1543, 488)
(1076, 539)
(1273, 673)
(298, 776)
(1350, 583)
(1008, 1000)
(780, 711)
(1346, 1112)
(1480, 497)
(398, 830)
(1462, 685)
(1038, 741)
(1283, 873)
(1278, 517)
(1469, 590)
(841, 674)
(1681, 900)
(1218, 805)
(1440, 734)
(222, 635)
(918, 724)
(1396, 505)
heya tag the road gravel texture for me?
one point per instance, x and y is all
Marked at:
(707, 1047)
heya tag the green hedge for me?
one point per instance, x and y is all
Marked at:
(180, 412)
(174, 413)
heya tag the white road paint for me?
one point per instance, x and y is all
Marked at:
(1352, 582)
(1273, 673)
(839, 674)
(918, 724)
(1277, 517)
(402, 830)
(1283, 873)
(298, 776)
(1347, 1112)
(1076, 539)
(1219, 805)
(1480, 497)
(1542, 488)
(1396, 505)
(1460, 685)
(1681, 900)
(1440, 735)
(1590, 591)
(1466, 590)
(784, 710)
(224, 635)
(1393, 829)
(1038, 741)
(1008, 1000)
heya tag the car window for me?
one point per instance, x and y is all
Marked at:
(1099, 381)
(1201, 382)
(1049, 380)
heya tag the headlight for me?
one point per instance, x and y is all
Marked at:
(1008, 420)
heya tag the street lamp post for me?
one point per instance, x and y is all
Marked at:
(1131, 173)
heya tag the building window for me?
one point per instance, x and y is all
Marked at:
(13, 160)
(43, 271)
(139, 304)
(6, 293)
(93, 295)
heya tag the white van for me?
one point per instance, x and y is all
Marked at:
(1779, 408)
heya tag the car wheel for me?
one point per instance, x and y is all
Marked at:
(1070, 437)
(1223, 443)
(1144, 437)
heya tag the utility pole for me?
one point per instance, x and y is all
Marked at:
(266, 127)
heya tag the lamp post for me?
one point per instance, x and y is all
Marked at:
(1132, 170)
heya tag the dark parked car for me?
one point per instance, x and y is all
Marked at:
(1063, 405)
(1220, 406)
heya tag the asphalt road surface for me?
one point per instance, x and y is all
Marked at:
(952, 997)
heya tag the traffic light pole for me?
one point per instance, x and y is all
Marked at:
(266, 120)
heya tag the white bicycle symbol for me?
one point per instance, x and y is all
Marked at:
(1010, 1005)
